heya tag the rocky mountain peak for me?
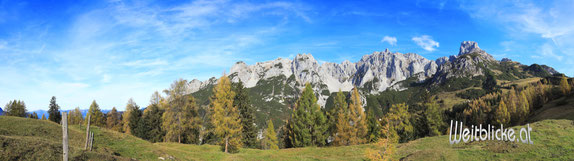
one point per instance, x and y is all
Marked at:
(469, 47)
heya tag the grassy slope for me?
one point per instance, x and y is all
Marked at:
(36, 139)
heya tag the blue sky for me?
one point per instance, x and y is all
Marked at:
(110, 51)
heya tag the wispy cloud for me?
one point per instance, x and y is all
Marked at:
(426, 42)
(391, 40)
(130, 49)
(550, 21)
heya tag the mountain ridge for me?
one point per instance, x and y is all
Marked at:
(374, 72)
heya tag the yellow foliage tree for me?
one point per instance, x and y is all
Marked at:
(225, 118)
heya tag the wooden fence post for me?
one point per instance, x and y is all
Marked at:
(91, 141)
(65, 135)
(87, 133)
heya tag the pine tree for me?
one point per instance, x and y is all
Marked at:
(97, 117)
(226, 119)
(343, 129)
(433, 118)
(501, 115)
(15, 108)
(153, 117)
(358, 119)
(270, 139)
(564, 86)
(374, 127)
(135, 123)
(247, 112)
(114, 121)
(130, 107)
(54, 111)
(309, 123)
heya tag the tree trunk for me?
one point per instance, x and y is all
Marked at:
(87, 133)
(226, 144)
(65, 135)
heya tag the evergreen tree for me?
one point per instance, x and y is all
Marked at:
(114, 121)
(97, 117)
(15, 108)
(374, 127)
(358, 119)
(54, 111)
(433, 119)
(501, 115)
(241, 101)
(308, 121)
(564, 86)
(154, 121)
(270, 139)
(130, 107)
(136, 124)
(490, 83)
(225, 118)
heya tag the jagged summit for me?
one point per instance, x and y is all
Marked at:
(467, 47)
(373, 73)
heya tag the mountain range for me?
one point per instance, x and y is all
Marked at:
(274, 85)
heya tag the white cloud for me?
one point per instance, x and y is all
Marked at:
(426, 42)
(550, 21)
(391, 40)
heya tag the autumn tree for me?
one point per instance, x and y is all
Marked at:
(43, 116)
(357, 118)
(225, 117)
(343, 129)
(54, 111)
(385, 146)
(501, 115)
(75, 116)
(114, 121)
(241, 101)
(180, 113)
(192, 121)
(308, 121)
(270, 138)
(564, 86)
(34, 115)
(399, 121)
(97, 117)
(15, 108)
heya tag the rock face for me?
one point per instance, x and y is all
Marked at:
(470, 62)
(375, 72)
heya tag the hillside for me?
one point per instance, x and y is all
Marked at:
(27, 139)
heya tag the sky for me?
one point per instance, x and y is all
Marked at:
(111, 51)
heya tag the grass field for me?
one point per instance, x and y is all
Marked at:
(27, 139)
